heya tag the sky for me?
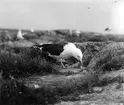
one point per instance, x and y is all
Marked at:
(85, 15)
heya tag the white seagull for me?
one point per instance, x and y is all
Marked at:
(32, 30)
(20, 35)
(62, 51)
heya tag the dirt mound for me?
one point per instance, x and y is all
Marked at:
(110, 94)
(90, 49)
(71, 89)
(107, 55)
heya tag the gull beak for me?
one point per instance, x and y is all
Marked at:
(80, 63)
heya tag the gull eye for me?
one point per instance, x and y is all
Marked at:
(78, 56)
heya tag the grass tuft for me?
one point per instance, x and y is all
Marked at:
(23, 64)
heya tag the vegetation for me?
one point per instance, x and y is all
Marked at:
(15, 65)
(109, 58)
(14, 92)
(26, 62)
(10, 35)
(101, 53)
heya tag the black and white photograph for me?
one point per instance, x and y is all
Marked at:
(62, 52)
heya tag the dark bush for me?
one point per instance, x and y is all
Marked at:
(98, 38)
(13, 92)
(25, 63)
(4, 36)
(30, 36)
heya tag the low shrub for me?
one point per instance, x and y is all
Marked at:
(13, 92)
(26, 62)
(110, 57)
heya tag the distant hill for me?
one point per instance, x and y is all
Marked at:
(65, 35)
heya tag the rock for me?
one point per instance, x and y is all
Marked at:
(97, 89)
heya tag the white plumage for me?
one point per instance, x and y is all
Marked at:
(70, 50)
(32, 30)
(20, 35)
